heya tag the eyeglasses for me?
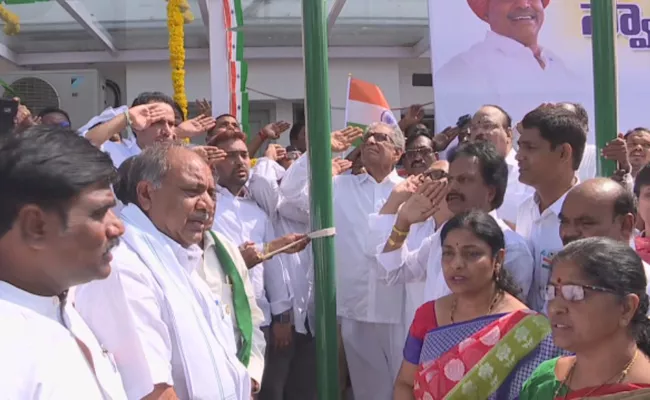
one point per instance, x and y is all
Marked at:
(570, 292)
(436, 174)
(379, 137)
(422, 152)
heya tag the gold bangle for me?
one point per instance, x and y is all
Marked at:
(266, 247)
(400, 233)
(393, 243)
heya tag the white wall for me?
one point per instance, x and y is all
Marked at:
(285, 79)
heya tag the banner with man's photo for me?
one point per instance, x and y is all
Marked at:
(519, 54)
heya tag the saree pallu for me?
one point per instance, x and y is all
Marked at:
(486, 358)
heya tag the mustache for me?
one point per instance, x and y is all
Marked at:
(113, 243)
(455, 194)
(200, 216)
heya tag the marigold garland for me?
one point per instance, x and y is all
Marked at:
(175, 22)
(11, 20)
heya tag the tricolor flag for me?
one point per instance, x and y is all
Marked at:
(366, 104)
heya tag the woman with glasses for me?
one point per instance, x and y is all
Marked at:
(597, 305)
(480, 342)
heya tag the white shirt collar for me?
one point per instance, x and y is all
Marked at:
(245, 192)
(393, 177)
(510, 46)
(43, 305)
(556, 207)
(189, 258)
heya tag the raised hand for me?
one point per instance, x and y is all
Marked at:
(274, 130)
(145, 115)
(413, 116)
(275, 152)
(423, 203)
(301, 241)
(343, 139)
(195, 126)
(340, 165)
(444, 138)
(204, 107)
(210, 154)
(616, 150)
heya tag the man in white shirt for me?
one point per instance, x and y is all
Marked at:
(477, 180)
(494, 124)
(239, 218)
(370, 310)
(599, 207)
(551, 145)
(153, 117)
(56, 231)
(509, 67)
(171, 339)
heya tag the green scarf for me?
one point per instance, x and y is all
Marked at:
(239, 300)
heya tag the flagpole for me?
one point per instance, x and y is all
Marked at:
(603, 43)
(317, 113)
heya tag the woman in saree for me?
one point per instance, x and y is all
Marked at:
(597, 306)
(480, 342)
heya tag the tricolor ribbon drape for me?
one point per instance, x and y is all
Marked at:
(238, 68)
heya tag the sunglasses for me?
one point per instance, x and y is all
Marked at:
(570, 292)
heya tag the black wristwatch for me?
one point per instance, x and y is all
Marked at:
(284, 318)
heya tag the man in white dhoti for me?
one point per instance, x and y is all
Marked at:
(154, 312)
(56, 231)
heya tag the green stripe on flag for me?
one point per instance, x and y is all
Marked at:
(243, 75)
(239, 50)
(357, 142)
(239, 14)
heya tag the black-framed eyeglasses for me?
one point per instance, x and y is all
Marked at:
(421, 151)
(379, 137)
(570, 292)
(436, 174)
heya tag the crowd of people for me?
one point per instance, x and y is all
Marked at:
(482, 262)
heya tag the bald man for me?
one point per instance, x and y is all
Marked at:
(494, 124)
(599, 207)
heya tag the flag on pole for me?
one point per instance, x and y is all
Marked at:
(366, 104)
(238, 68)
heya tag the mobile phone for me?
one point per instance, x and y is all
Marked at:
(463, 121)
(8, 110)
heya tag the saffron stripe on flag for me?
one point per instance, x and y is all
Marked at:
(367, 92)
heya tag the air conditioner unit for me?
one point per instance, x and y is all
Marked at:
(81, 93)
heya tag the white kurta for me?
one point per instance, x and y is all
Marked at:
(121, 151)
(40, 356)
(425, 263)
(371, 311)
(221, 287)
(134, 318)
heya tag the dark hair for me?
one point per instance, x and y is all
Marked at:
(417, 130)
(559, 126)
(225, 115)
(642, 179)
(178, 112)
(153, 97)
(625, 202)
(54, 110)
(417, 133)
(486, 229)
(291, 148)
(635, 130)
(581, 113)
(295, 130)
(48, 166)
(219, 138)
(616, 266)
(124, 191)
(506, 117)
(494, 168)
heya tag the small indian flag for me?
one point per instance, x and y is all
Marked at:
(366, 104)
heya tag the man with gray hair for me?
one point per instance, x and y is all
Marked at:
(154, 312)
(370, 311)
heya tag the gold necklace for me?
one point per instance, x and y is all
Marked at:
(621, 375)
(454, 304)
